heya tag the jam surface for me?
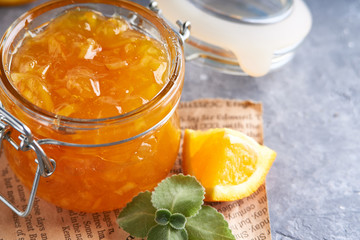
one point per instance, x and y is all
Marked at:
(86, 65)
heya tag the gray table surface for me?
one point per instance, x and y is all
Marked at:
(311, 118)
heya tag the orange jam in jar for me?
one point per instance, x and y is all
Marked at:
(97, 83)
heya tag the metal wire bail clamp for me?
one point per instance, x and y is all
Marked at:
(184, 27)
(46, 166)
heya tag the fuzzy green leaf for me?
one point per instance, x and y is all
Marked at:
(177, 221)
(179, 194)
(160, 232)
(162, 216)
(137, 218)
(208, 224)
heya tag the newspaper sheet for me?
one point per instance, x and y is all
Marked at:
(248, 218)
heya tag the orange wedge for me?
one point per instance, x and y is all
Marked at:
(229, 164)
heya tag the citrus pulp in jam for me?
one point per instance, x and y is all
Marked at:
(83, 57)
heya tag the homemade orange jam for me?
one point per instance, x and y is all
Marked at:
(85, 65)
(99, 94)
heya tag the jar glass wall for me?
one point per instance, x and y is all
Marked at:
(100, 163)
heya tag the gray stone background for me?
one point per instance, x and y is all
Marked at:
(311, 118)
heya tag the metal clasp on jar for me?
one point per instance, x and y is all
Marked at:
(46, 166)
(184, 27)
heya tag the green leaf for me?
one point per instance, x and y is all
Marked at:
(179, 194)
(177, 221)
(208, 224)
(162, 216)
(160, 232)
(137, 218)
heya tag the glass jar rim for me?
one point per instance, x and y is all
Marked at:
(176, 60)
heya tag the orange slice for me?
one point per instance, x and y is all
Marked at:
(229, 164)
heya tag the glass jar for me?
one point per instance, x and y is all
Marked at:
(99, 164)
(241, 37)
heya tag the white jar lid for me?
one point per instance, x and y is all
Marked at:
(244, 37)
(247, 11)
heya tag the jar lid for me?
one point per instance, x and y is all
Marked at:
(247, 11)
(242, 37)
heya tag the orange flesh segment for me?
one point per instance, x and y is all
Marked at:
(229, 164)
